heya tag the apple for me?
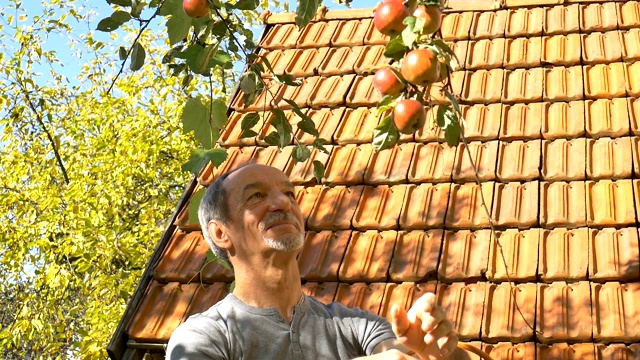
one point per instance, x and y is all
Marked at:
(409, 116)
(388, 82)
(420, 67)
(388, 17)
(195, 8)
(433, 16)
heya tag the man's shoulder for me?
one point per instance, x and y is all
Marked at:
(214, 314)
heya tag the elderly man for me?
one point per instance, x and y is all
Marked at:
(251, 219)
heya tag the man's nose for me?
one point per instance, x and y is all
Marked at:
(280, 201)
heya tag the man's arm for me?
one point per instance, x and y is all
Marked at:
(393, 349)
(423, 332)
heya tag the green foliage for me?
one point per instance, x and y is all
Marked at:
(114, 21)
(178, 24)
(201, 157)
(318, 170)
(137, 57)
(306, 11)
(89, 180)
(194, 203)
(385, 135)
(395, 49)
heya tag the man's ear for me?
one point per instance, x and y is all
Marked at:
(219, 234)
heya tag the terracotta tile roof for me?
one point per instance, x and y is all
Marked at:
(549, 92)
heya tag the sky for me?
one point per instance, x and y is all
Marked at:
(72, 59)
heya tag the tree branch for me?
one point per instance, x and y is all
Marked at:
(56, 152)
(135, 41)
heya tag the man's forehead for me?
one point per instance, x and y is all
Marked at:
(255, 175)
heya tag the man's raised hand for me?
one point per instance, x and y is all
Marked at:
(425, 329)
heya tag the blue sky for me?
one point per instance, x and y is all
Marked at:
(72, 59)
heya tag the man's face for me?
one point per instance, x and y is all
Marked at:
(263, 210)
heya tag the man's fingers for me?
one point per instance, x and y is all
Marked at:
(448, 344)
(430, 320)
(399, 321)
(426, 303)
(443, 329)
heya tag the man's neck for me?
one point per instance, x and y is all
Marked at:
(270, 286)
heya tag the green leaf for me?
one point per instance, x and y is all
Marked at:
(385, 135)
(201, 157)
(219, 29)
(114, 21)
(305, 124)
(410, 21)
(267, 63)
(440, 120)
(249, 98)
(136, 8)
(122, 53)
(409, 37)
(319, 144)
(386, 100)
(194, 204)
(249, 121)
(300, 153)
(195, 117)
(218, 117)
(395, 49)
(288, 79)
(282, 126)
(203, 59)
(119, 2)
(137, 57)
(440, 44)
(121, 16)
(318, 170)
(186, 80)
(191, 55)
(306, 11)
(419, 24)
(179, 24)
(246, 5)
(386, 103)
(211, 257)
(453, 101)
(248, 134)
(272, 139)
(248, 82)
(431, 2)
(222, 59)
(453, 130)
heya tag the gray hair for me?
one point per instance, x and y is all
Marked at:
(215, 206)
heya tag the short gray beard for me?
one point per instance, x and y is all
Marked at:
(289, 242)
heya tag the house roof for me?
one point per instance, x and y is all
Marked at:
(549, 94)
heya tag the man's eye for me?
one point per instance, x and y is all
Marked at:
(256, 196)
(291, 194)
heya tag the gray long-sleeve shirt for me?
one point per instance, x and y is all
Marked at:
(234, 330)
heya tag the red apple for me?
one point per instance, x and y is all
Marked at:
(433, 16)
(420, 67)
(409, 116)
(195, 8)
(388, 17)
(387, 81)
